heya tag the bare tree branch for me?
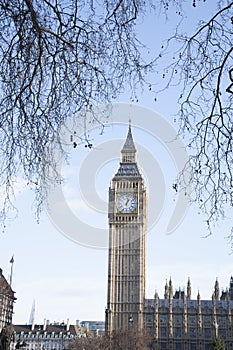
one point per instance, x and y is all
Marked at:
(200, 70)
(58, 58)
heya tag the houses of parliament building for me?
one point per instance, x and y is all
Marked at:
(177, 320)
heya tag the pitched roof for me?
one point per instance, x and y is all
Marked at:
(5, 287)
(51, 328)
(128, 170)
(129, 145)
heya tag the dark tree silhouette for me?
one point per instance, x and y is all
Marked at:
(58, 58)
(118, 340)
(130, 339)
(218, 344)
(201, 69)
(90, 342)
(7, 335)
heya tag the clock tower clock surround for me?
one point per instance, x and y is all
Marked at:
(127, 243)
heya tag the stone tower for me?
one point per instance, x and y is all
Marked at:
(127, 243)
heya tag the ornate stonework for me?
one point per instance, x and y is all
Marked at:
(127, 229)
(175, 321)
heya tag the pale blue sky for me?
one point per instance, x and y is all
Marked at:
(68, 280)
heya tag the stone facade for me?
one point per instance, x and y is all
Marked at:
(45, 336)
(7, 298)
(127, 228)
(176, 321)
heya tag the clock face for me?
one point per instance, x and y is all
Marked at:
(126, 203)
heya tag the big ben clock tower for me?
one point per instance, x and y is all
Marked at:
(127, 230)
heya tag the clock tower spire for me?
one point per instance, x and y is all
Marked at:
(127, 230)
(128, 152)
